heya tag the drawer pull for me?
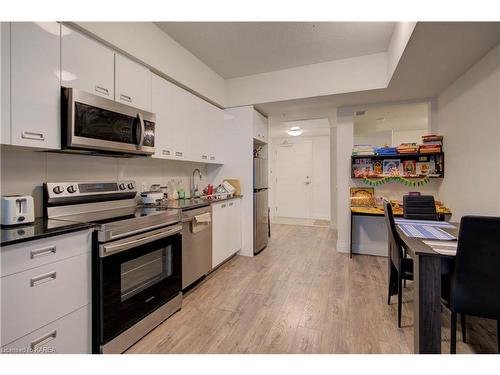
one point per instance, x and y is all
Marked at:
(204, 157)
(46, 277)
(102, 90)
(223, 206)
(33, 136)
(126, 98)
(230, 204)
(41, 252)
(165, 152)
(39, 343)
(212, 157)
(177, 153)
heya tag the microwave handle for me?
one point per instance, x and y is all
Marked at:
(142, 129)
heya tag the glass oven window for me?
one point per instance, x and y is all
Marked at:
(98, 123)
(140, 273)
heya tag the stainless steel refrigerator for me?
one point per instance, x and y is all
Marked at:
(260, 205)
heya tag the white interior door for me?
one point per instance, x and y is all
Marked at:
(294, 180)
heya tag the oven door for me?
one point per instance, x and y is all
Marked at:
(138, 274)
(95, 123)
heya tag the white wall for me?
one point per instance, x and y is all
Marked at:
(149, 44)
(24, 170)
(469, 119)
(333, 77)
(321, 193)
(239, 164)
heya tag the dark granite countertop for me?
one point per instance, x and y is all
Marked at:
(190, 203)
(41, 228)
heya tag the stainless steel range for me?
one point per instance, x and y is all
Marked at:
(137, 258)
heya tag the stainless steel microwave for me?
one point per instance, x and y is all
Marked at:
(93, 123)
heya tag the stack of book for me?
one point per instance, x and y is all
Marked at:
(363, 150)
(386, 150)
(408, 148)
(431, 143)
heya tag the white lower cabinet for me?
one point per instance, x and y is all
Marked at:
(226, 237)
(44, 290)
(70, 334)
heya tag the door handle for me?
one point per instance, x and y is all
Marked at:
(102, 90)
(38, 343)
(32, 135)
(35, 281)
(141, 125)
(126, 98)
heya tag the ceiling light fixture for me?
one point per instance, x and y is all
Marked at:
(295, 131)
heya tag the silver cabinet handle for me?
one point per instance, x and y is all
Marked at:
(143, 130)
(43, 340)
(230, 204)
(126, 98)
(177, 153)
(102, 90)
(37, 280)
(165, 152)
(41, 252)
(32, 135)
(212, 157)
(223, 206)
(204, 157)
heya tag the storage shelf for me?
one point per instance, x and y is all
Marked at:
(398, 156)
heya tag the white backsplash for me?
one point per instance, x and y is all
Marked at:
(25, 170)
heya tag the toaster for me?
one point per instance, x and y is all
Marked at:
(17, 209)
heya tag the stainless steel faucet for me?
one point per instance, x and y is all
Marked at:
(194, 187)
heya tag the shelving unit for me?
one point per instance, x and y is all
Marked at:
(420, 157)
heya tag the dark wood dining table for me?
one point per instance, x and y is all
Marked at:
(428, 266)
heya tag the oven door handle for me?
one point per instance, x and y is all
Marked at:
(105, 250)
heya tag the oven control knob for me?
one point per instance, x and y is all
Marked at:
(131, 186)
(58, 189)
(122, 186)
(72, 189)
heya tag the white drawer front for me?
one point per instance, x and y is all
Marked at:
(69, 335)
(27, 255)
(36, 297)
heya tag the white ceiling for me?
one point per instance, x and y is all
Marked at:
(394, 117)
(436, 55)
(312, 128)
(236, 49)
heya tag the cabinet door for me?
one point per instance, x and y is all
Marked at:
(216, 136)
(260, 127)
(35, 85)
(86, 64)
(219, 233)
(234, 220)
(5, 83)
(132, 83)
(160, 98)
(172, 107)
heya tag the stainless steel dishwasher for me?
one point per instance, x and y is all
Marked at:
(196, 244)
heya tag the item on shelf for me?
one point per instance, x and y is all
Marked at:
(423, 168)
(363, 161)
(429, 149)
(407, 148)
(432, 138)
(361, 150)
(409, 167)
(236, 183)
(377, 168)
(431, 143)
(362, 197)
(391, 167)
(386, 150)
(361, 170)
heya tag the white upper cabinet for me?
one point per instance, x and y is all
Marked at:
(172, 109)
(5, 82)
(132, 83)
(87, 64)
(260, 127)
(216, 136)
(35, 84)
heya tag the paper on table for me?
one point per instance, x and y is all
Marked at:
(431, 223)
(444, 248)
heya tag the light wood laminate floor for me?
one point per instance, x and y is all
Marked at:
(298, 296)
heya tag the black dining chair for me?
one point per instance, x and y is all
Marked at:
(419, 207)
(400, 267)
(475, 281)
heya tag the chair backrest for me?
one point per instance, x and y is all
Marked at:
(395, 243)
(419, 207)
(475, 284)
